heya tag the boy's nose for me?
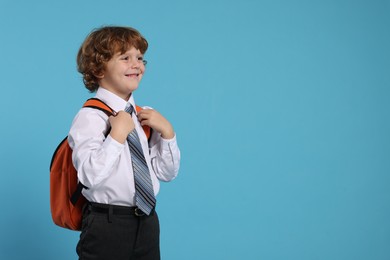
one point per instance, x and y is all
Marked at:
(134, 63)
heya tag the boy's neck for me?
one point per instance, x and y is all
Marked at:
(123, 96)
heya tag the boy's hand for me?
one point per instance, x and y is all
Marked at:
(121, 125)
(155, 120)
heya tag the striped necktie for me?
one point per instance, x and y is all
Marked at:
(144, 194)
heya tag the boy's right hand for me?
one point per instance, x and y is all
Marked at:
(121, 125)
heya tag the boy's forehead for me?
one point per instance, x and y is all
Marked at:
(124, 50)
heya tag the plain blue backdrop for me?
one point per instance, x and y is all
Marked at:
(281, 108)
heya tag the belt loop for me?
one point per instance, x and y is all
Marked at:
(110, 212)
(86, 208)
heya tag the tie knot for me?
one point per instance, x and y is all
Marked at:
(129, 109)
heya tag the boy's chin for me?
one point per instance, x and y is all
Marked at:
(133, 88)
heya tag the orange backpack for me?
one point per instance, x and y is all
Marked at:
(66, 199)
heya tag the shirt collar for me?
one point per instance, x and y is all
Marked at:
(112, 100)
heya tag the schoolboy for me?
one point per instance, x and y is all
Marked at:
(114, 226)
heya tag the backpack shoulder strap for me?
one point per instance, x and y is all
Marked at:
(147, 129)
(98, 104)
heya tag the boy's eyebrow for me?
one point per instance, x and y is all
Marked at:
(128, 52)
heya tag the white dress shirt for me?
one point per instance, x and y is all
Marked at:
(104, 165)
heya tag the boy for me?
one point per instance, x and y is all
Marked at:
(119, 220)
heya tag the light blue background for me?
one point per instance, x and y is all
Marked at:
(282, 111)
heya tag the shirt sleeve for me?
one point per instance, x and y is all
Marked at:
(94, 154)
(165, 157)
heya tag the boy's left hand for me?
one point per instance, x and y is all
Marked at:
(155, 120)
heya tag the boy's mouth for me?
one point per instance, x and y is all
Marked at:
(132, 75)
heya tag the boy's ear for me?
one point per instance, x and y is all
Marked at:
(99, 76)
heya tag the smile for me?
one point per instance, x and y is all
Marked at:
(134, 75)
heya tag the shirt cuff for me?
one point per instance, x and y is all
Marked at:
(166, 144)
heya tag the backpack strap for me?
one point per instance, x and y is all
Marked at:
(100, 105)
(147, 129)
(77, 193)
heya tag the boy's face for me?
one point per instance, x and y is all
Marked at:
(123, 73)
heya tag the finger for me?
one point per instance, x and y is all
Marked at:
(142, 116)
(144, 122)
(144, 111)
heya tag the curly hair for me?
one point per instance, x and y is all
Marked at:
(100, 46)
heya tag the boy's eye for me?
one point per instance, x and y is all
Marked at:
(141, 59)
(124, 58)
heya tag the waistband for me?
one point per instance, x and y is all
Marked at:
(115, 209)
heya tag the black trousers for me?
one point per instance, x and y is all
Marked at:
(118, 233)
